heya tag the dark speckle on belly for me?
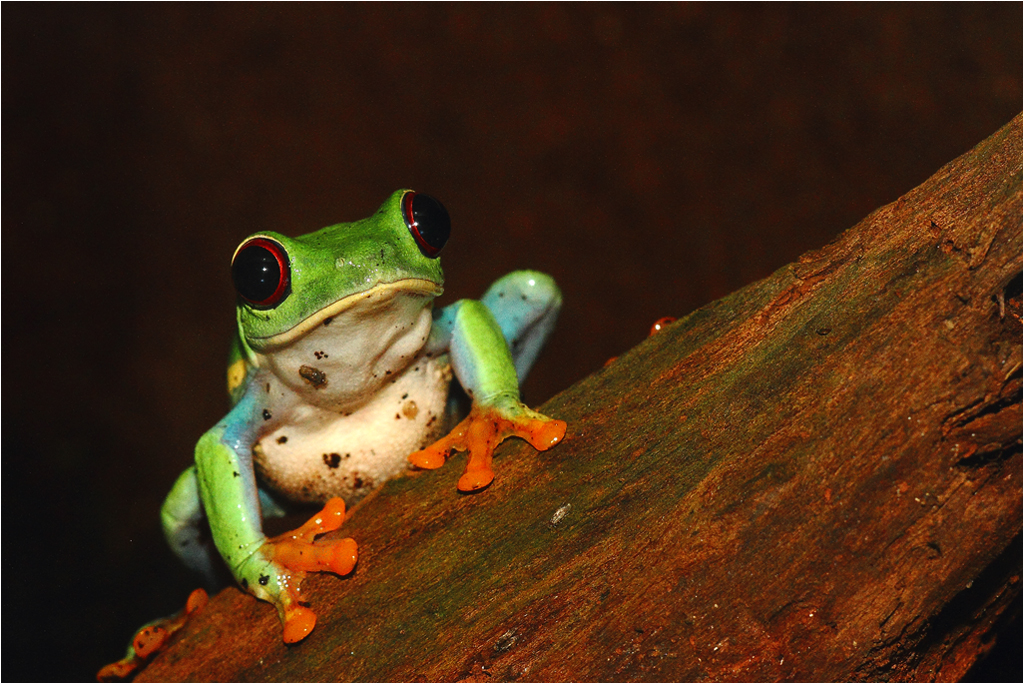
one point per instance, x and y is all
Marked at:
(409, 409)
(314, 376)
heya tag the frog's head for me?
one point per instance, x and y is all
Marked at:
(288, 286)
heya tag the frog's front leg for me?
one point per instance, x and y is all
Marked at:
(269, 569)
(525, 304)
(479, 348)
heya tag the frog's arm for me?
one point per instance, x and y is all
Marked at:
(525, 304)
(270, 569)
(478, 346)
(182, 515)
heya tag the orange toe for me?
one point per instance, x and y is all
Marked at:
(299, 621)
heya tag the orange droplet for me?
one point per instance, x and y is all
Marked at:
(660, 324)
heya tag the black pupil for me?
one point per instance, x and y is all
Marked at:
(256, 273)
(432, 221)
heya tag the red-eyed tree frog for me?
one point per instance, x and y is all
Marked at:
(339, 377)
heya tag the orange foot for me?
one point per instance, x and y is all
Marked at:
(481, 432)
(151, 639)
(297, 552)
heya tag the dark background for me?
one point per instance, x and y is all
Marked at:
(651, 158)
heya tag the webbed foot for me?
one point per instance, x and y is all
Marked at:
(294, 554)
(151, 639)
(482, 431)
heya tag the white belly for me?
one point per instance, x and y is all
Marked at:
(319, 453)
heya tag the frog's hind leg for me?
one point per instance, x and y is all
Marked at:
(526, 305)
(187, 531)
(151, 639)
(184, 523)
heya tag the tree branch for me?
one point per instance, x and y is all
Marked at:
(816, 477)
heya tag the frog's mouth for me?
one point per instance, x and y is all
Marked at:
(361, 304)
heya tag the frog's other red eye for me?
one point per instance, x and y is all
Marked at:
(261, 272)
(428, 221)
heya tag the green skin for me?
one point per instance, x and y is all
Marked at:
(490, 345)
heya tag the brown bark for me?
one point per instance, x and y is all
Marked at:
(817, 477)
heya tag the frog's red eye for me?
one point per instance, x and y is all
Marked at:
(261, 272)
(428, 222)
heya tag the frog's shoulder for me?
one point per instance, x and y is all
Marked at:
(239, 366)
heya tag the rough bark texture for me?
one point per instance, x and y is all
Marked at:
(817, 477)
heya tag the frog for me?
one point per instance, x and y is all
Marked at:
(342, 375)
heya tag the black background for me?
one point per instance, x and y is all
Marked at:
(651, 158)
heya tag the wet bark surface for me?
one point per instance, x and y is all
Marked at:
(816, 477)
